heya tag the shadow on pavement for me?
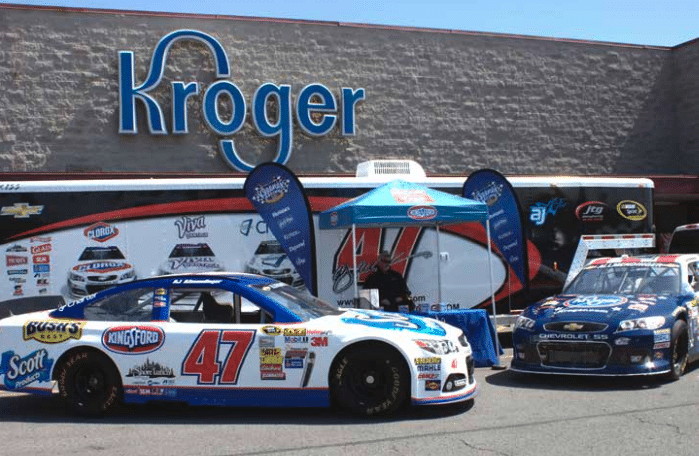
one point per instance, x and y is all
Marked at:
(34, 409)
(512, 379)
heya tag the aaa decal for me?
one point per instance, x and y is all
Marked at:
(53, 332)
(133, 340)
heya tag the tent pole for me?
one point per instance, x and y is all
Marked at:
(439, 268)
(492, 297)
(355, 276)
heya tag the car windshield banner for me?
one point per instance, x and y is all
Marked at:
(505, 216)
(278, 196)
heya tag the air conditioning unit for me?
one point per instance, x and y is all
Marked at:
(390, 169)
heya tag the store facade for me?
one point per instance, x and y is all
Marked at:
(89, 91)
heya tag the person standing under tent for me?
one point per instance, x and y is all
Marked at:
(394, 294)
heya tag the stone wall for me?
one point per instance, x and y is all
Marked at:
(453, 101)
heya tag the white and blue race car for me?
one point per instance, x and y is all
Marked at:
(231, 339)
(619, 316)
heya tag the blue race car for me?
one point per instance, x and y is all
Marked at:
(231, 339)
(619, 316)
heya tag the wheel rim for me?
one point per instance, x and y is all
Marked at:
(368, 380)
(90, 384)
(679, 355)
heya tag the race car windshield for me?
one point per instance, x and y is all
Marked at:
(201, 250)
(101, 253)
(627, 280)
(301, 303)
(269, 247)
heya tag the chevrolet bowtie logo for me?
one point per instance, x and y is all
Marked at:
(21, 210)
(573, 327)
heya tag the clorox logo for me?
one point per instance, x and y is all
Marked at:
(422, 212)
(133, 340)
(101, 232)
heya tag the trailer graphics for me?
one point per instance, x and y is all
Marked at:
(143, 220)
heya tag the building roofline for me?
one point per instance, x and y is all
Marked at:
(67, 9)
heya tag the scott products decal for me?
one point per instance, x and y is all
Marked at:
(21, 371)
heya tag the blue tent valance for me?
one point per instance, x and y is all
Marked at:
(401, 203)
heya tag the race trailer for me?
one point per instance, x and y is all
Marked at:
(71, 237)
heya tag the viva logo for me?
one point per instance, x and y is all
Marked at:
(316, 109)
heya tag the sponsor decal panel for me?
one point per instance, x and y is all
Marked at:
(133, 340)
(21, 371)
(592, 211)
(632, 210)
(101, 232)
(53, 332)
(539, 212)
(21, 210)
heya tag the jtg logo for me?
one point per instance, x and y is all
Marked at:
(316, 109)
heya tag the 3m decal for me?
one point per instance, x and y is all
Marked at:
(202, 361)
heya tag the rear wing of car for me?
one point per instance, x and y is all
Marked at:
(606, 241)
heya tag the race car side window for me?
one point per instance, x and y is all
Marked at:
(212, 305)
(132, 305)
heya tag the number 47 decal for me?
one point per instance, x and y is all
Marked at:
(202, 358)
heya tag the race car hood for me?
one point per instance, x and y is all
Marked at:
(603, 307)
(396, 322)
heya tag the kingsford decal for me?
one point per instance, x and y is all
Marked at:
(133, 340)
(422, 212)
(316, 109)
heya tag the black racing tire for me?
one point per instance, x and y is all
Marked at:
(679, 350)
(370, 379)
(89, 383)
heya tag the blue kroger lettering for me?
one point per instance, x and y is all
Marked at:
(314, 98)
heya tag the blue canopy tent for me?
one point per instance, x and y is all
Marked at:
(401, 203)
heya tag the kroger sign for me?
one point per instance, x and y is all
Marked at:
(314, 98)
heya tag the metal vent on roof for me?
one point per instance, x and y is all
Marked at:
(390, 169)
